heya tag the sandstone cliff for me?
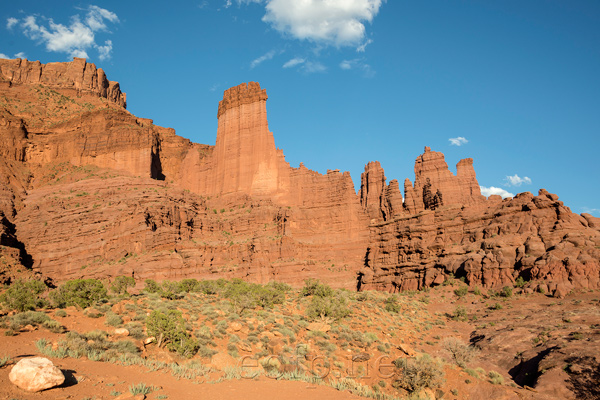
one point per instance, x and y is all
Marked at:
(78, 76)
(88, 189)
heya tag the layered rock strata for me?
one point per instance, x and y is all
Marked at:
(77, 76)
(87, 189)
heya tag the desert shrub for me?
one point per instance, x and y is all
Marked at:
(5, 361)
(421, 372)
(461, 353)
(391, 304)
(165, 326)
(60, 313)
(334, 307)
(151, 286)
(269, 295)
(362, 296)
(459, 314)
(312, 287)
(495, 378)
(232, 350)
(210, 287)
(520, 282)
(506, 291)
(461, 291)
(113, 319)
(188, 285)
(24, 295)
(53, 326)
(206, 352)
(34, 318)
(169, 329)
(170, 290)
(279, 286)
(121, 283)
(140, 388)
(243, 295)
(136, 330)
(78, 292)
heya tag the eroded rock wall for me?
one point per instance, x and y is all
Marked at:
(78, 76)
(87, 189)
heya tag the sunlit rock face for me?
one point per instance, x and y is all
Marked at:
(88, 189)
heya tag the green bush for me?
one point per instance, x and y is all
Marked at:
(53, 326)
(327, 307)
(520, 282)
(210, 287)
(392, 305)
(506, 291)
(243, 295)
(313, 287)
(188, 285)
(151, 286)
(169, 329)
(113, 319)
(421, 372)
(24, 295)
(34, 318)
(121, 283)
(78, 292)
(460, 314)
(170, 290)
(461, 291)
(495, 378)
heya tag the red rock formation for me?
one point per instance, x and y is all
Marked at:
(78, 75)
(537, 238)
(432, 177)
(379, 201)
(77, 199)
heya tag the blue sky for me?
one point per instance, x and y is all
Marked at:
(513, 84)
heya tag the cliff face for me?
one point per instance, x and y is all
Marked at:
(87, 189)
(323, 214)
(447, 227)
(77, 76)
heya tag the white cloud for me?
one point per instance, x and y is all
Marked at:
(294, 62)
(96, 16)
(313, 66)
(76, 38)
(516, 180)
(362, 47)
(10, 22)
(104, 51)
(331, 22)
(593, 211)
(458, 141)
(262, 59)
(346, 64)
(17, 55)
(488, 191)
(359, 64)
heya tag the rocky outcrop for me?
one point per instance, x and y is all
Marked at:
(435, 185)
(87, 189)
(77, 76)
(533, 237)
(379, 201)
